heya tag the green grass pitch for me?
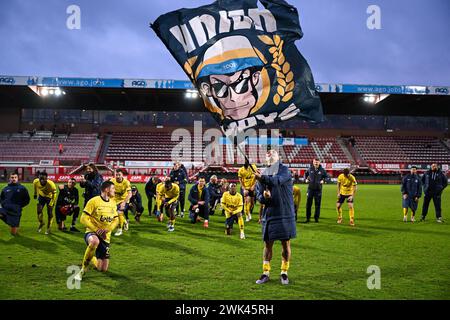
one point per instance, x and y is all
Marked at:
(329, 261)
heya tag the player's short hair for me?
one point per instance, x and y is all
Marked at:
(133, 188)
(121, 171)
(201, 177)
(43, 174)
(213, 176)
(414, 167)
(346, 171)
(73, 179)
(13, 174)
(232, 184)
(105, 185)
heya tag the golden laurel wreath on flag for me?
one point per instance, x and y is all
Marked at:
(285, 77)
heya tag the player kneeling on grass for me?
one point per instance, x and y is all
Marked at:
(346, 187)
(46, 189)
(99, 217)
(135, 205)
(411, 191)
(232, 203)
(67, 205)
(167, 198)
(13, 198)
(199, 199)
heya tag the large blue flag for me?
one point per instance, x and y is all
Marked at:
(243, 61)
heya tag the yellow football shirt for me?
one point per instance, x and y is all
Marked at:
(102, 214)
(47, 191)
(232, 204)
(347, 184)
(172, 193)
(247, 176)
(122, 189)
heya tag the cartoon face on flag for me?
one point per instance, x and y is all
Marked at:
(243, 61)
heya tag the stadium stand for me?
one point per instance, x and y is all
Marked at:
(402, 149)
(158, 147)
(43, 145)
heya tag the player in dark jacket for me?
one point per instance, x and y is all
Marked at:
(67, 205)
(411, 192)
(274, 190)
(91, 182)
(315, 177)
(150, 191)
(178, 176)
(199, 199)
(434, 182)
(215, 193)
(135, 204)
(13, 198)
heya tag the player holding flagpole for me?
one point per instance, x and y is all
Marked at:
(274, 191)
(99, 217)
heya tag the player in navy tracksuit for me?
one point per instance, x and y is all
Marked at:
(274, 191)
(178, 176)
(411, 192)
(315, 176)
(150, 191)
(13, 198)
(434, 182)
(135, 205)
(199, 199)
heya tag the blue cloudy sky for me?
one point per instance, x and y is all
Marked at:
(413, 46)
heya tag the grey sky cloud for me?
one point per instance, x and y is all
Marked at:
(115, 40)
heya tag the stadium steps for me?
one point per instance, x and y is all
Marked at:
(346, 149)
(446, 144)
(104, 148)
(95, 151)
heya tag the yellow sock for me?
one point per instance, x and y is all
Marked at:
(241, 223)
(405, 212)
(247, 208)
(121, 220)
(351, 212)
(172, 222)
(339, 210)
(88, 254)
(94, 261)
(284, 266)
(266, 267)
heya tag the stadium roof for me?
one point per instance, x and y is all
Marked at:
(170, 95)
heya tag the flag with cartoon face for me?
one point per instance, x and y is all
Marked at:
(243, 61)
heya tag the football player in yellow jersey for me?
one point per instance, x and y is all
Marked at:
(167, 198)
(159, 214)
(346, 189)
(247, 180)
(100, 218)
(122, 197)
(297, 199)
(232, 203)
(45, 193)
